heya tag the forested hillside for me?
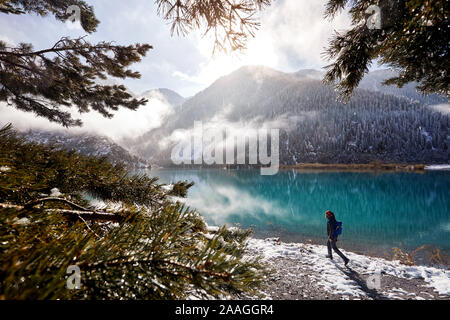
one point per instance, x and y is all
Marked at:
(384, 123)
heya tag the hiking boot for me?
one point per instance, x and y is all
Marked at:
(346, 262)
(329, 257)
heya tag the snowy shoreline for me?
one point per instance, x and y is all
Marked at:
(437, 167)
(303, 272)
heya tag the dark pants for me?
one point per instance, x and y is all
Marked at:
(332, 244)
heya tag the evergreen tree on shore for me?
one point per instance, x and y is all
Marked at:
(142, 245)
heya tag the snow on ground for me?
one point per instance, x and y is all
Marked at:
(438, 167)
(365, 277)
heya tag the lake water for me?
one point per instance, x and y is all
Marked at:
(379, 210)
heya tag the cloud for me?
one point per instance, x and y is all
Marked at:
(442, 108)
(7, 40)
(293, 35)
(300, 32)
(125, 123)
(124, 22)
(219, 140)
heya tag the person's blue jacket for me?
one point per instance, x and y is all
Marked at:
(331, 227)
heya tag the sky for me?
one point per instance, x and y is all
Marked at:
(292, 36)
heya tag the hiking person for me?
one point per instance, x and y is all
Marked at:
(332, 227)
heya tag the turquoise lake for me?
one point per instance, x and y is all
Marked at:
(378, 210)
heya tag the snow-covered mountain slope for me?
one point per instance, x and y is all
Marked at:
(309, 74)
(165, 95)
(314, 127)
(373, 81)
(87, 144)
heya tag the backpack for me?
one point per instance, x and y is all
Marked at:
(338, 230)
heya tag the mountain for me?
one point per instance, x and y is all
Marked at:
(164, 95)
(309, 74)
(101, 146)
(378, 123)
(87, 144)
(373, 81)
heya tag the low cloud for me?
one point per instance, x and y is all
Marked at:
(125, 123)
(442, 108)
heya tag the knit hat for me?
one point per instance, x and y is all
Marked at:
(328, 213)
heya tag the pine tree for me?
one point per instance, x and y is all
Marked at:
(143, 244)
(148, 247)
(410, 36)
(66, 75)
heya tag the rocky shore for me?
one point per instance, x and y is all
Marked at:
(302, 272)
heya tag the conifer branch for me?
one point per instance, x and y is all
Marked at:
(410, 37)
(73, 214)
(33, 203)
(131, 261)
